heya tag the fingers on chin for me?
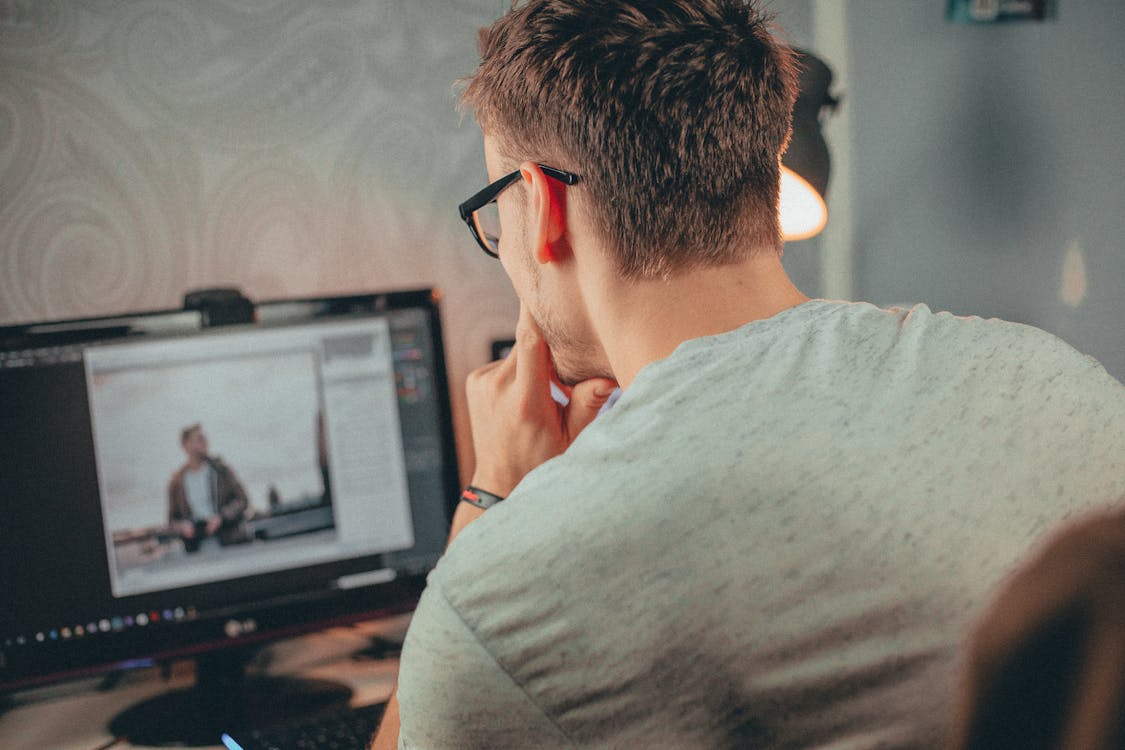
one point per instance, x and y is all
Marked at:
(491, 377)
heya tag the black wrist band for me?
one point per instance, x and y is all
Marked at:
(478, 497)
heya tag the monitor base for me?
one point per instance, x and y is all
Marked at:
(223, 699)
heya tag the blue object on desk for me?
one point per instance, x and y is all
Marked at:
(345, 728)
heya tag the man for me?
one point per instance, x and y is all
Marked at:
(205, 498)
(777, 535)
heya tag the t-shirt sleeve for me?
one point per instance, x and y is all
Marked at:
(453, 694)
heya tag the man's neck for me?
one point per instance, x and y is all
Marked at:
(194, 463)
(642, 322)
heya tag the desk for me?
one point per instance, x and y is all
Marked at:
(73, 716)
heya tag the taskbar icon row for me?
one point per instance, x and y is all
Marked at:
(115, 624)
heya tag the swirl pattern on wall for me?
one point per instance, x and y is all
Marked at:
(32, 29)
(254, 88)
(83, 223)
(22, 136)
(266, 224)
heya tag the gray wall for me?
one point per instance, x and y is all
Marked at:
(988, 166)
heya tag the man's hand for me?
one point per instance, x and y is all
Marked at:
(186, 529)
(516, 424)
(213, 524)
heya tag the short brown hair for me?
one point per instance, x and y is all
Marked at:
(187, 431)
(674, 113)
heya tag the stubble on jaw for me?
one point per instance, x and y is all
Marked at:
(570, 365)
(573, 359)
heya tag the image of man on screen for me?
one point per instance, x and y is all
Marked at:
(205, 499)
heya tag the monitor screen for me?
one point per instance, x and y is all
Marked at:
(169, 488)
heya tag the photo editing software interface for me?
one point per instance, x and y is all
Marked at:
(171, 489)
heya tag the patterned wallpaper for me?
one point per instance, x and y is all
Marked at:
(149, 147)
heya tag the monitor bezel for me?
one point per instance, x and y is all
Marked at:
(273, 620)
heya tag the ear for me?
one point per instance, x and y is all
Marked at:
(547, 219)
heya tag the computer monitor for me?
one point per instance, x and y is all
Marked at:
(170, 488)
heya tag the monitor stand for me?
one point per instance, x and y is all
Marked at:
(223, 698)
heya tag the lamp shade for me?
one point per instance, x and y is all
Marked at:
(805, 164)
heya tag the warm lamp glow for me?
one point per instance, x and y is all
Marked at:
(805, 165)
(803, 211)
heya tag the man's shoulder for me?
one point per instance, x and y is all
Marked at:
(1025, 352)
(946, 340)
(859, 335)
(524, 542)
(525, 524)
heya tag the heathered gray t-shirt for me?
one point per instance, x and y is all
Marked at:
(776, 538)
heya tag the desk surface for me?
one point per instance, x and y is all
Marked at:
(73, 716)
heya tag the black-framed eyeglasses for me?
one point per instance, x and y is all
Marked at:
(481, 214)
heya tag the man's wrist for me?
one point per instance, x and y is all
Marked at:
(482, 499)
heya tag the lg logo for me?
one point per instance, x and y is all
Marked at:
(235, 628)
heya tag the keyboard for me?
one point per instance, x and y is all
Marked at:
(348, 728)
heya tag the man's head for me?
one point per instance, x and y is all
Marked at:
(193, 441)
(674, 113)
